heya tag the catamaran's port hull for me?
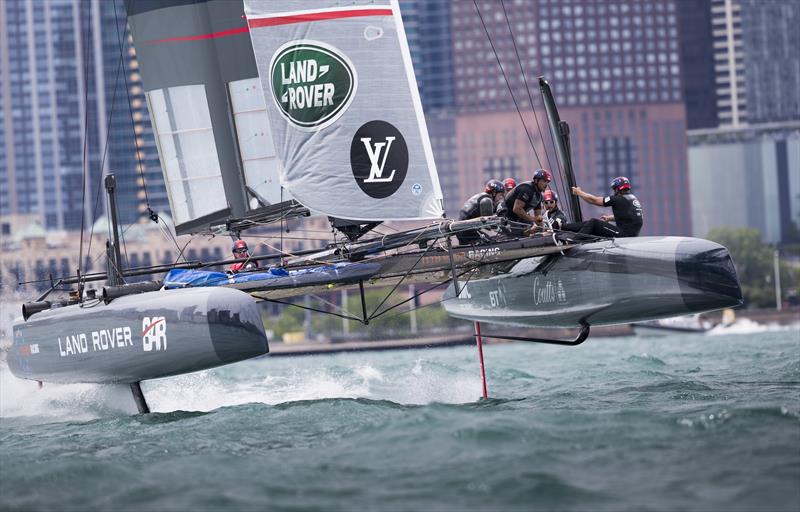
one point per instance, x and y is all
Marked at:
(609, 282)
(138, 337)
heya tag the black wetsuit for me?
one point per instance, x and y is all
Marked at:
(557, 218)
(627, 214)
(528, 194)
(472, 210)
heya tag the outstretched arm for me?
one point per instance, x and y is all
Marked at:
(589, 198)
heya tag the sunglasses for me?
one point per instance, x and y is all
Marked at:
(549, 202)
(239, 251)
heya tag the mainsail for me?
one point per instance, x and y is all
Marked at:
(207, 108)
(344, 108)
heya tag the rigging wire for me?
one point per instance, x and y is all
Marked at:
(84, 165)
(152, 214)
(508, 84)
(374, 313)
(533, 107)
(103, 160)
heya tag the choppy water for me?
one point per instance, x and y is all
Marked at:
(675, 423)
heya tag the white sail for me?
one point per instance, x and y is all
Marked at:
(346, 116)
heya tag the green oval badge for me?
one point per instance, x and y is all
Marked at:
(312, 83)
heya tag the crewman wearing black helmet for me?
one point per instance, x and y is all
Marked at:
(480, 205)
(526, 196)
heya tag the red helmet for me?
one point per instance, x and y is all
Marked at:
(550, 195)
(509, 183)
(239, 246)
(620, 183)
(542, 174)
(493, 186)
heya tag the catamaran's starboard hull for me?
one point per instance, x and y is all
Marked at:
(138, 337)
(610, 282)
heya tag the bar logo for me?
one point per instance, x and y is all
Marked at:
(154, 333)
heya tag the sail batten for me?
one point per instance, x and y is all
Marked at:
(346, 117)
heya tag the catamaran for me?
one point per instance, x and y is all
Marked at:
(265, 111)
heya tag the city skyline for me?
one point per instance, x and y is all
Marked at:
(621, 73)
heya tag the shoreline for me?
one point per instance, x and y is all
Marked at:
(281, 349)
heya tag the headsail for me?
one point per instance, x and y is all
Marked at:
(344, 108)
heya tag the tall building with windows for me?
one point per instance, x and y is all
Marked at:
(614, 67)
(729, 69)
(756, 61)
(771, 43)
(67, 116)
(697, 63)
(427, 26)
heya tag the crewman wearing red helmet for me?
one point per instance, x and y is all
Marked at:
(553, 215)
(625, 207)
(241, 252)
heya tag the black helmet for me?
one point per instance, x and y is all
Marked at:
(494, 186)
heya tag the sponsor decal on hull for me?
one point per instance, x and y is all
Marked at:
(154, 338)
(547, 291)
(154, 333)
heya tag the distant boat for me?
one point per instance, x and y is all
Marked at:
(685, 324)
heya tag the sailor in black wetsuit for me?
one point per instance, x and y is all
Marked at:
(553, 216)
(627, 212)
(526, 196)
(479, 205)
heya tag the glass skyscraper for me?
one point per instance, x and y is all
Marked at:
(67, 117)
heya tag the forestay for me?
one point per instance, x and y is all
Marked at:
(344, 108)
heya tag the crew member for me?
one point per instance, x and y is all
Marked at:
(552, 214)
(509, 184)
(626, 212)
(241, 252)
(479, 205)
(526, 196)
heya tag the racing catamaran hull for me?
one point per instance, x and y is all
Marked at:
(138, 337)
(608, 282)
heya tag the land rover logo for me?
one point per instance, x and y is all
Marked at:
(379, 159)
(312, 83)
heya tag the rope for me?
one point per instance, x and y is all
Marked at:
(85, 137)
(516, 105)
(525, 81)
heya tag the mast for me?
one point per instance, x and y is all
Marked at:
(115, 273)
(560, 132)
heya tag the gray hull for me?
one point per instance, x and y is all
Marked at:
(138, 337)
(610, 282)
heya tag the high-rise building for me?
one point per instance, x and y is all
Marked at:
(729, 70)
(70, 111)
(771, 42)
(756, 61)
(427, 26)
(742, 177)
(132, 150)
(614, 67)
(697, 63)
